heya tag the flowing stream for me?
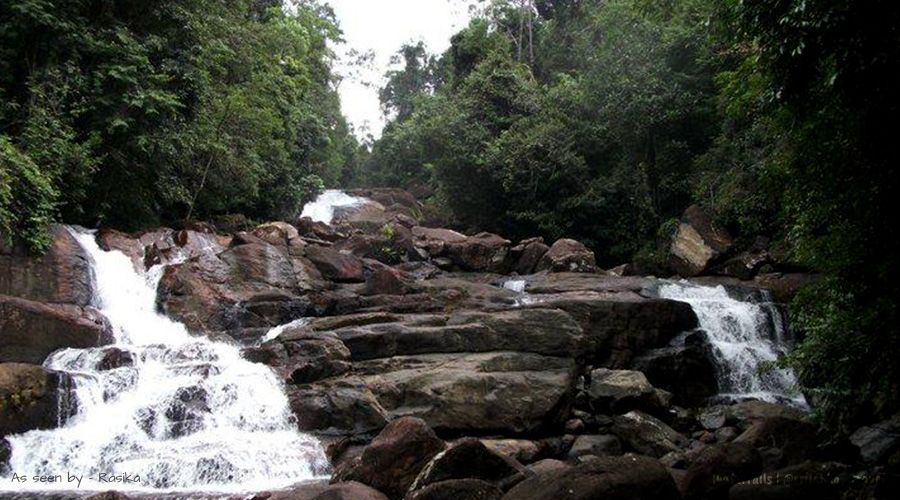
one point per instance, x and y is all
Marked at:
(161, 410)
(746, 335)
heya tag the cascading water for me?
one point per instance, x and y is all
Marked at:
(745, 335)
(173, 413)
(323, 208)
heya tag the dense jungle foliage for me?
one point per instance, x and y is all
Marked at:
(600, 120)
(604, 120)
(132, 113)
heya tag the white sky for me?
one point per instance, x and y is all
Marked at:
(382, 26)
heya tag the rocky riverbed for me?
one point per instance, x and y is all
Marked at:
(436, 365)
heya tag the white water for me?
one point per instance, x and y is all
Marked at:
(188, 415)
(744, 336)
(322, 209)
(274, 332)
(517, 286)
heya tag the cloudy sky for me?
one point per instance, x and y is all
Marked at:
(382, 26)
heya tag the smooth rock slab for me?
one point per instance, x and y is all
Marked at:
(505, 392)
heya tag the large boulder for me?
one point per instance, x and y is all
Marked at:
(393, 460)
(619, 391)
(30, 331)
(482, 252)
(504, 392)
(618, 325)
(467, 459)
(595, 445)
(877, 442)
(316, 490)
(688, 371)
(698, 242)
(647, 435)
(335, 265)
(458, 489)
(250, 284)
(29, 398)
(630, 477)
(782, 441)
(716, 468)
(819, 480)
(436, 241)
(62, 275)
(302, 356)
(570, 256)
(528, 254)
(337, 407)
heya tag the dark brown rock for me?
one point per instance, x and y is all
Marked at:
(436, 240)
(29, 331)
(688, 372)
(458, 489)
(631, 477)
(596, 445)
(62, 275)
(528, 255)
(467, 459)
(782, 441)
(569, 256)
(620, 391)
(29, 398)
(482, 252)
(716, 468)
(334, 265)
(391, 462)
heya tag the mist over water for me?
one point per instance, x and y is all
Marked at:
(182, 413)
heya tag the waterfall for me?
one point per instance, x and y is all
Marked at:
(745, 335)
(323, 208)
(171, 411)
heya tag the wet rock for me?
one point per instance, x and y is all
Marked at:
(598, 445)
(698, 242)
(522, 450)
(185, 412)
(467, 459)
(391, 462)
(630, 477)
(647, 435)
(29, 331)
(746, 413)
(569, 256)
(62, 275)
(712, 418)
(716, 468)
(113, 358)
(29, 398)
(458, 489)
(334, 265)
(878, 441)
